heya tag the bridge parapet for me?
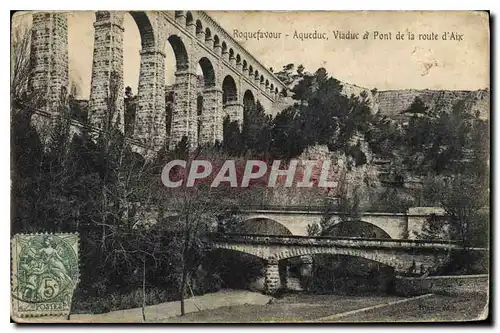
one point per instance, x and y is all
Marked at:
(335, 241)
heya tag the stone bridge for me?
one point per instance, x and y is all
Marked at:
(405, 256)
(384, 225)
(233, 78)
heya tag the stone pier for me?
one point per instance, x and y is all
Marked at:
(106, 93)
(271, 277)
(234, 110)
(184, 115)
(150, 127)
(211, 118)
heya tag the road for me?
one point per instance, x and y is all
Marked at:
(321, 308)
(238, 306)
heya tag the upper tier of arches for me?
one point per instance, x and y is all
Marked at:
(221, 43)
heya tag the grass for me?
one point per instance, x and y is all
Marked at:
(119, 301)
(298, 308)
(441, 308)
(289, 309)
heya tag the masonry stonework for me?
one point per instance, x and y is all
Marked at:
(184, 116)
(106, 93)
(212, 118)
(49, 59)
(191, 44)
(271, 277)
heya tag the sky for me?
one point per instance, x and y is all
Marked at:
(382, 64)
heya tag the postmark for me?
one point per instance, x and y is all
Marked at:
(45, 272)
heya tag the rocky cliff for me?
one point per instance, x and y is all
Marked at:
(393, 102)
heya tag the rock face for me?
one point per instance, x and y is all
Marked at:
(392, 102)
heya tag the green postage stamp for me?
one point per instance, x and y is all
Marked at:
(44, 274)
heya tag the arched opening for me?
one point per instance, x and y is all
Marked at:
(224, 48)
(348, 275)
(272, 88)
(261, 79)
(199, 28)
(245, 65)
(137, 35)
(208, 72)
(250, 71)
(181, 56)
(248, 104)
(276, 91)
(262, 226)
(267, 84)
(189, 19)
(216, 41)
(238, 59)
(359, 229)
(256, 74)
(231, 54)
(229, 91)
(208, 35)
(234, 269)
(145, 29)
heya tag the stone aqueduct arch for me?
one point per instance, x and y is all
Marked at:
(393, 225)
(196, 40)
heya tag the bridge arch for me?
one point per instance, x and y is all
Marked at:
(224, 49)
(248, 101)
(261, 225)
(229, 90)
(216, 41)
(180, 53)
(145, 29)
(199, 29)
(208, 72)
(208, 35)
(361, 229)
(189, 19)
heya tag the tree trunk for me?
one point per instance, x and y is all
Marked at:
(144, 289)
(183, 287)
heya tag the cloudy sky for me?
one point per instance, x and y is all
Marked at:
(384, 64)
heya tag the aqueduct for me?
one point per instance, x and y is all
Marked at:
(233, 78)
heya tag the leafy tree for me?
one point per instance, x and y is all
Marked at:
(232, 138)
(286, 135)
(463, 197)
(256, 131)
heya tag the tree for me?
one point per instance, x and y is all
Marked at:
(232, 139)
(256, 130)
(193, 211)
(463, 197)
